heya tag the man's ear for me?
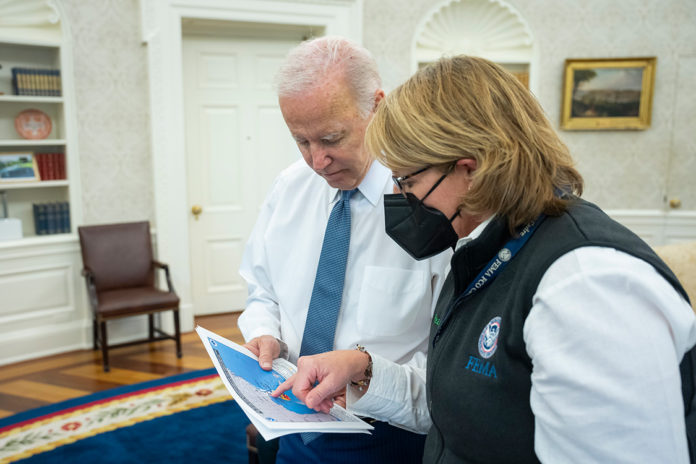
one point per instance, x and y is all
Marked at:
(379, 95)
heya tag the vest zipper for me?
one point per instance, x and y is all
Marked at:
(430, 401)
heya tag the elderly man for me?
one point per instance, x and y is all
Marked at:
(322, 273)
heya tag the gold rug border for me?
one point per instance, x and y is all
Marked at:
(108, 428)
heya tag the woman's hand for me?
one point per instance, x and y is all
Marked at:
(321, 379)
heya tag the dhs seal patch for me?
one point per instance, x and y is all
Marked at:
(488, 341)
(504, 255)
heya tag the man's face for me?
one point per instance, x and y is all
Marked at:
(325, 123)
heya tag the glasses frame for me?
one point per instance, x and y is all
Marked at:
(398, 180)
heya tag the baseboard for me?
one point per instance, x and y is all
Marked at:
(658, 227)
(43, 341)
(61, 338)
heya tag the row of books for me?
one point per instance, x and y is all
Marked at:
(36, 82)
(51, 166)
(52, 218)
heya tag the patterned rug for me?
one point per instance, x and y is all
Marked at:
(185, 418)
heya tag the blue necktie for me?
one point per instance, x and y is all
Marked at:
(320, 327)
(325, 303)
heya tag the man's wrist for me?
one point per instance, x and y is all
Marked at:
(284, 352)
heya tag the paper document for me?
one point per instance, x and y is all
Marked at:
(251, 387)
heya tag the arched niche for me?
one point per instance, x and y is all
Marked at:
(491, 29)
(30, 20)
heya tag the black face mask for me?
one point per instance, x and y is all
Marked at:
(420, 230)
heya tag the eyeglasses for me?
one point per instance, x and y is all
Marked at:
(399, 180)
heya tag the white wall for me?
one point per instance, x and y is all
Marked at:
(622, 170)
(112, 110)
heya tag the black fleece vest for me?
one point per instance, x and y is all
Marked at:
(480, 406)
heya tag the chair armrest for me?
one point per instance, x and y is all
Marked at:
(165, 267)
(160, 264)
(88, 275)
(91, 287)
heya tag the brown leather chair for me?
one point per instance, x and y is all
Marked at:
(119, 271)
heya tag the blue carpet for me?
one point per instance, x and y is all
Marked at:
(213, 432)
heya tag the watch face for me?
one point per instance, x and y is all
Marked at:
(33, 124)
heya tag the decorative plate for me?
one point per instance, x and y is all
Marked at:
(33, 124)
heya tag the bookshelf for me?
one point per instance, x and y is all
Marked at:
(43, 45)
(42, 301)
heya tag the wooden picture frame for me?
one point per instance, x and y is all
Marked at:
(18, 167)
(608, 94)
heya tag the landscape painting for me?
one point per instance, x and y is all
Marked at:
(608, 94)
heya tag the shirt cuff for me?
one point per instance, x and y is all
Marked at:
(389, 398)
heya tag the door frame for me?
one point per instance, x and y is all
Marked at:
(162, 34)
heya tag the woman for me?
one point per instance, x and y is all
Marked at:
(558, 334)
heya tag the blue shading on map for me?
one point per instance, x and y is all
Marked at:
(255, 384)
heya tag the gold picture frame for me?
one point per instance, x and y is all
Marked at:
(18, 167)
(608, 94)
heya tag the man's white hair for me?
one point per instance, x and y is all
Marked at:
(313, 61)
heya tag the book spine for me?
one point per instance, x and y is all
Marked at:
(50, 166)
(32, 82)
(43, 79)
(62, 173)
(21, 81)
(35, 210)
(65, 217)
(37, 82)
(40, 163)
(56, 159)
(43, 219)
(24, 82)
(52, 83)
(52, 218)
(14, 82)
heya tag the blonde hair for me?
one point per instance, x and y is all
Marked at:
(468, 107)
(313, 61)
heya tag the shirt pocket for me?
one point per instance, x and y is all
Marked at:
(391, 300)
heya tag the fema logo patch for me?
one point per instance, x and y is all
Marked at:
(504, 255)
(488, 341)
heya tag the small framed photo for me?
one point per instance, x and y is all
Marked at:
(608, 94)
(18, 167)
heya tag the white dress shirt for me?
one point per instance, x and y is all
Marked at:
(605, 335)
(388, 297)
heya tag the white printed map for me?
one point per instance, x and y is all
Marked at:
(251, 387)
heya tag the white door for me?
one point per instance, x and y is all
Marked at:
(236, 143)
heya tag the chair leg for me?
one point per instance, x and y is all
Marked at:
(95, 333)
(104, 347)
(177, 333)
(151, 325)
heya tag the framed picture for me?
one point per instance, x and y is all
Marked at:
(608, 94)
(18, 167)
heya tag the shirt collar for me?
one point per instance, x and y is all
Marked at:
(474, 233)
(372, 185)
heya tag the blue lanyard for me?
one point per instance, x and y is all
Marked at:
(491, 270)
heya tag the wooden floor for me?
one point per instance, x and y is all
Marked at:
(43, 381)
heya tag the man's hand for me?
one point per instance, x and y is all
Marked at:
(266, 348)
(322, 378)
